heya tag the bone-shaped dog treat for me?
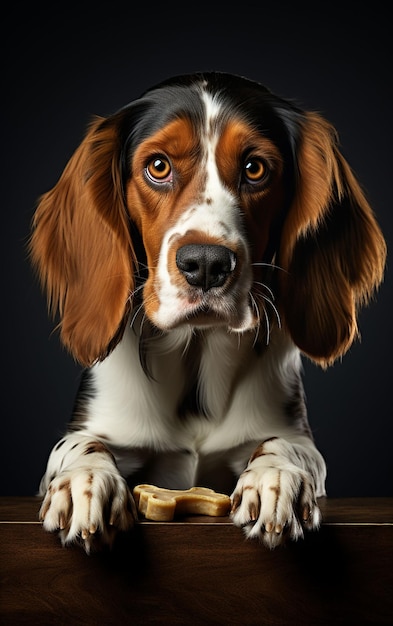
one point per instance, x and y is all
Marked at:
(161, 505)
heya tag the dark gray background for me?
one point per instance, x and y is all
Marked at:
(60, 68)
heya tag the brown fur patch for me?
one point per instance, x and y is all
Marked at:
(81, 246)
(154, 208)
(332, 249)
(260, 450)
(260, 203)
(96, 446)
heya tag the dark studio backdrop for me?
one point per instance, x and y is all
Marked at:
(64, 64)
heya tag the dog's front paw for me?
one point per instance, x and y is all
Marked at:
(88, 507)
(275, 503)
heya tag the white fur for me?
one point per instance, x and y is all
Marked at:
(132, 415)
(241, 394)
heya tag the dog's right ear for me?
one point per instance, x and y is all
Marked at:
(81, 246)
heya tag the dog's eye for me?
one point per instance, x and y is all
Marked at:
(255, 170)
(159, 170)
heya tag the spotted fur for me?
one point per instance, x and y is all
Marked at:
(198, 243)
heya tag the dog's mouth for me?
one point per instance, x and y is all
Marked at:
(208, 310)
(205, 315)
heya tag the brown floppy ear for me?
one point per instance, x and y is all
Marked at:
(81, 247)
(332, 248)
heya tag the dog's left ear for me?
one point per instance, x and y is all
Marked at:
(332, 249)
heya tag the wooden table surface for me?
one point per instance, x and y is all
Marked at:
(201, 570)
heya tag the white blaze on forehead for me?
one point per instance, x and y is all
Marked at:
(215, 212)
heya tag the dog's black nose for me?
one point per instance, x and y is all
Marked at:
(205, 266)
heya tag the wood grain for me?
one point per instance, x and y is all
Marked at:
(201, 571)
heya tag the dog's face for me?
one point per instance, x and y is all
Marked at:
(204, 190)
(231, 198)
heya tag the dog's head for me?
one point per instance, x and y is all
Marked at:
(222, 197)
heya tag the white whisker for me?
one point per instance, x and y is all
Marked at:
(269, 300)
(133, 293)
(274, 309)
(267, 326)
(258, 316)
(256, 282)
(273, 266)
(135, 315)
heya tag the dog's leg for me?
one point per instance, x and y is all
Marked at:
(85, 497)
(275, 497)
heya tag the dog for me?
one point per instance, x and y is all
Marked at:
(200, 243)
